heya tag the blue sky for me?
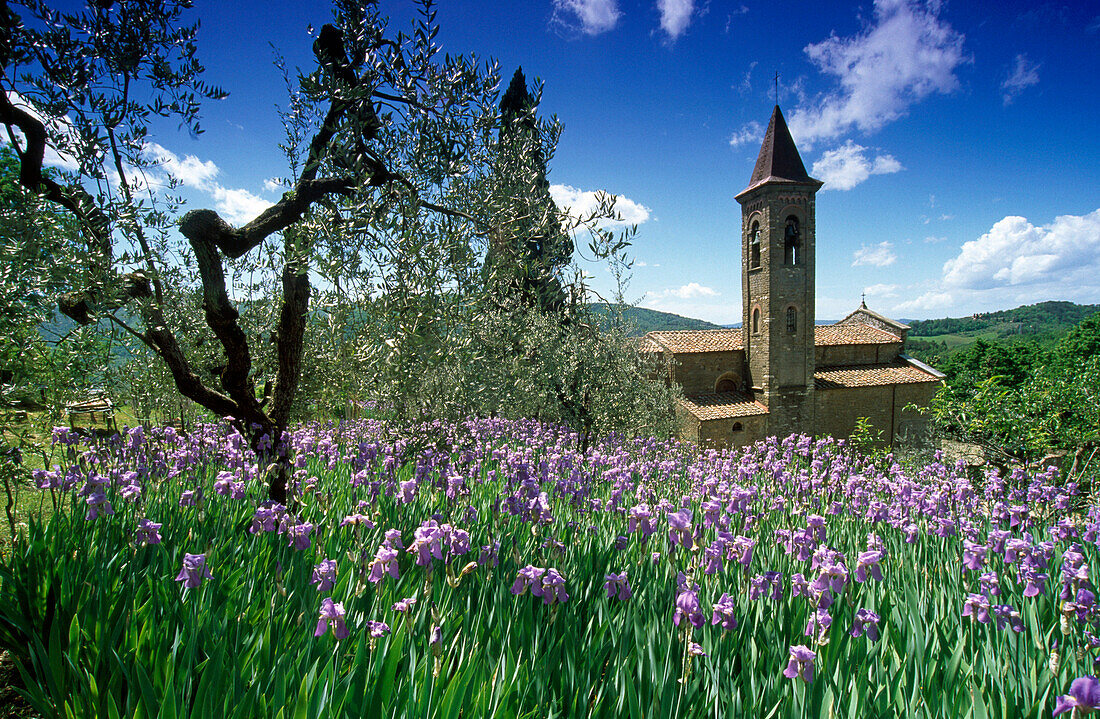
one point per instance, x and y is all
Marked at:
(958, 141)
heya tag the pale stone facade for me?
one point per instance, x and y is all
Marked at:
(780, 372)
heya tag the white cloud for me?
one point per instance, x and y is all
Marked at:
(847, 166)
(882, 290)
(928, 302)
(944, 218)
(581, 203)
(274, 184)
(906, 54)
(591, 17)
(190, 170)
(1023, 75)
(686, 292)
(1017, 262)
(749, 134)
(933, 240)
(880, 255)
(675, 16)
(1016, 252)
(238, 206)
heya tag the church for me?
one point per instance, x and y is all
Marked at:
(781, 372)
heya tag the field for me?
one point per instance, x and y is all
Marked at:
(489, 569)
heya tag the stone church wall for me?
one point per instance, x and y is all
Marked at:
(719, 433)
(831, 355)
(698, 372)
(838, 410)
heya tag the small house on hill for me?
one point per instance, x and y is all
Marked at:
(780, 372)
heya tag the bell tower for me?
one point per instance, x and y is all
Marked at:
(777, 281)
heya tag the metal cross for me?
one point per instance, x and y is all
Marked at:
(776, 88)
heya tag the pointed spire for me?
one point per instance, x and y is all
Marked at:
(779, 160)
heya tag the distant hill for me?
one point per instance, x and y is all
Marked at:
(1042, 324)
(1038, 319)
(640, 320)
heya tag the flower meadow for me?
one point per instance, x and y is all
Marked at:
(488, 568)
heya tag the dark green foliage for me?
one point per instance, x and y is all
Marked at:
(1020, 400)
(1029, 320)
(639, 320)
(528, 249)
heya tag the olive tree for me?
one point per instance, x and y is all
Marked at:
(384, 133)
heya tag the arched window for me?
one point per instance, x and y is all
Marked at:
(754, 246)
(792, 242)
(792, 320)
(755, 320)
(738, 427)
(728, 382)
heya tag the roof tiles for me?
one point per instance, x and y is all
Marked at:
(729, 340)
(875, 375)
(723, 405)
(691, 341)
(853, 334)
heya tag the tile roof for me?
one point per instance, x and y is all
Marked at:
(874, 375)
(864, 310)
(691, 341)
(722, 405)
(853, 334)
(729, 340)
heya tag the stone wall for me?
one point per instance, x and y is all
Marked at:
(698, 372)
(689, 425)
(830, 355)
(719, 433)
(837, 410)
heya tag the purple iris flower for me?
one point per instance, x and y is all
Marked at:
(801, 663)
(974, 555)
(191, 497)
(990, 584)
(1006, 615)
(194, 571)
(679, 529)
(147, 532)
(866, 622)
(553, 587)
(687, 608)
(384, 562)
(403, 606)
(818, 625)
(393, 539)
(97, 505)
(267, 517)
(324, 575)
(868, 562)
(617, 586)
(357, 520)
(767, 585)
(742, 547)
(298, 535)
(331, 613)
(723, 612)
(378, 629)
(489, 555)
(1084, 694)
(800, 587)
(977, 606)
(427, 543)
(529, 577)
